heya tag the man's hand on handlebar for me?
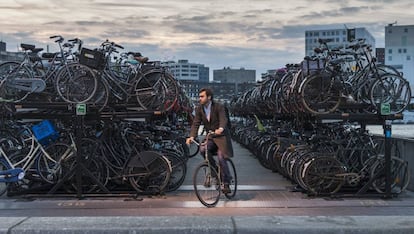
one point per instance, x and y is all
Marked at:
(189, 140)
(218, 131)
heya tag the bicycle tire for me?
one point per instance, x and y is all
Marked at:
(155, 90)
(178, 173)
(193, 149)
(233, 180)
(206, 186)
(101, 97)
(391, 89)
(9, 72)
(50, 171)
(400, 175)
(76, 83)
(318, 94)
(320, 175)
(149, 172)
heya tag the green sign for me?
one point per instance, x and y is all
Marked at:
(81, 109)
(385, 109)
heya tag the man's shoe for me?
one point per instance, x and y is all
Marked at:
(226, 189)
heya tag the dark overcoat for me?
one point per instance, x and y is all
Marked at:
(218, 119)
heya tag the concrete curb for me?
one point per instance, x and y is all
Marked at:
(210, 224)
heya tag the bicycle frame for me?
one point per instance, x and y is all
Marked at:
(204, 144)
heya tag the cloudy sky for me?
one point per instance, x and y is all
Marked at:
(254, 34)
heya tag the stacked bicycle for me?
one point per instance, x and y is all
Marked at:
(334, 80)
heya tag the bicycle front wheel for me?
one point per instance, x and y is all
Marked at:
(3, 185)
(206, 186)
(391, 89)
(193, 149)
(400, 175)
(48, 167)
(233, 179)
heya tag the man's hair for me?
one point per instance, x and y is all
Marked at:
(208, 91)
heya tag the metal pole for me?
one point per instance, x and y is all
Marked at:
(387, 166)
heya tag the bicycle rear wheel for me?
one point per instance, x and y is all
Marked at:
(10, 88)
(206, 185)
(319, 94)
(233, 180)
(320, 175)
(156, 90)
(149, 172)
(76, 83)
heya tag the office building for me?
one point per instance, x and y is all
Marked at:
(380, 55)
(223, 92)
(339, 37)
(399, 50)
(184, 70)
(238, 76)
(2, 46)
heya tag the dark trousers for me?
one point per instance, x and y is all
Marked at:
(213, 150)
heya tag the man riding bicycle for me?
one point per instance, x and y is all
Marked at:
(213, 115)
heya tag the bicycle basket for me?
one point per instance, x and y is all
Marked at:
(45, 132)
(311, 66)
(92, 58)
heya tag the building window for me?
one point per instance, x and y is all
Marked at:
(404, 50)
(323, 33)
(408, 57)
(389, 30)
(406, 30)
(390, 51)
(404, 40)
(389, 58)
(399, 51)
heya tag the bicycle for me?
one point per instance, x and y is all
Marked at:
(22, 166)
(208, 182)
(72, 82)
